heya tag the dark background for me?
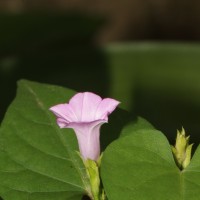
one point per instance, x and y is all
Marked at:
(144, 53)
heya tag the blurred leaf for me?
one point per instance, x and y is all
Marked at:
(141, 167)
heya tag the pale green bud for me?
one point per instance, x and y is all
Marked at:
(182, 150)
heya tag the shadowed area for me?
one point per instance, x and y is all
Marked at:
(158, 81)
(51, 48)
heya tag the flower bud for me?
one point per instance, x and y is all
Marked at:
(182, 149)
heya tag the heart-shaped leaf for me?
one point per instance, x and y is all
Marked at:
(140, 166)
(38, 159)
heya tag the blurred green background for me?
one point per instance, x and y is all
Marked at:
(156, 79)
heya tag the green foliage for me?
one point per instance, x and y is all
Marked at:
(140, 166)
(38, 160)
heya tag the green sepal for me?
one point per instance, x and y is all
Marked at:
(186, 162)
(93, 174)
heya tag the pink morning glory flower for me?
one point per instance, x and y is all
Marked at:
(85, 113)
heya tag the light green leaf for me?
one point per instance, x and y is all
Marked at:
(141, 167)
(38, 159)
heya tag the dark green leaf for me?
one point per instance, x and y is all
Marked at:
(38, 159)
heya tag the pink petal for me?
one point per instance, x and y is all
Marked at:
(106, 107)
(64, 111)
(85, 105)
(62, 123)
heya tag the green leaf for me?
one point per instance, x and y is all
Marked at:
(141, 167)
(38, 159)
